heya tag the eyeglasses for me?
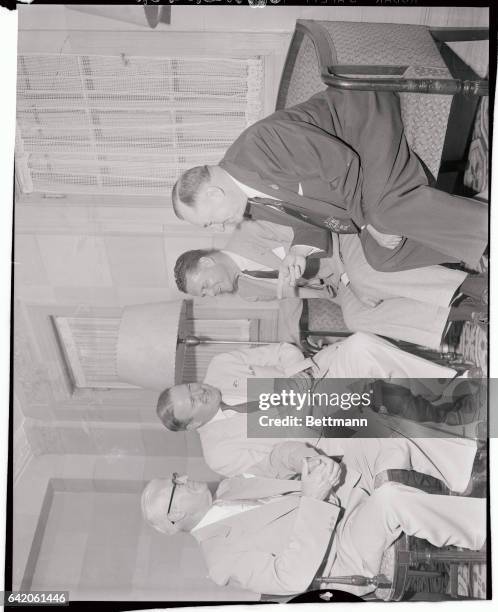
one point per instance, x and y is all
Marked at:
(176, 479)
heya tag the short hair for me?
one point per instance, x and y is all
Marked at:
(187, 263)
(166, 412)
(155, 517)
(187, 187)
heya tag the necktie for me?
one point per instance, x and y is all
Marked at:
(261, 273)
(340, 226)
(243, 408)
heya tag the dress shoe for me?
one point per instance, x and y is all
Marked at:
(477, 486)
(481, 319)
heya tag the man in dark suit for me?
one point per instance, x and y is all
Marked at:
(339, 162)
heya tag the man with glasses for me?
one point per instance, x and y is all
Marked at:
(271, 534)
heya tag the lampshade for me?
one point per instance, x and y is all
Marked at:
(147, 344)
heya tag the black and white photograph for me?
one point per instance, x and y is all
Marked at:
(250, 304)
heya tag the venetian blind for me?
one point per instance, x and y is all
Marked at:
(129, 125)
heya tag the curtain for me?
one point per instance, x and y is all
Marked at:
(129, 125)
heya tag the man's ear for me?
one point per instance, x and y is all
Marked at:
(215, 193)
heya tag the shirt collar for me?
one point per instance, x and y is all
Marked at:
(249, 191)
(219, 416)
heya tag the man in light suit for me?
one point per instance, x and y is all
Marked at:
(228, 449)
(359, 356)
(412, 305)
(339, 162)
(271, 536)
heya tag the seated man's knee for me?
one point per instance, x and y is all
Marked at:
(385, 494)
(382, 260)
(353, 319)
(359, 341)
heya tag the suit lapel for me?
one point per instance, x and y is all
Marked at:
(256, 288)
(351, 479)
(254, 248)
(289, 193)
(255, 488)
(253, 520)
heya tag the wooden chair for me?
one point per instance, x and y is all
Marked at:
(411, 564)
(322, 319)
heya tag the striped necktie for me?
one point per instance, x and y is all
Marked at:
(261, 273)
(246, 408)
(335, 224)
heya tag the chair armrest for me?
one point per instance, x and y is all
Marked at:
(459, 34)
(426, 85)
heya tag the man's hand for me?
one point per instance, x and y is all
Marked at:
(388, 241)
(291, 270)
(292, 267)
(319, 475)
(335, 468)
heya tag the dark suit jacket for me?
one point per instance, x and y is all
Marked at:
(348, 154)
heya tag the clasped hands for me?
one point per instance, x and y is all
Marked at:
(319, 477)
(294, 263)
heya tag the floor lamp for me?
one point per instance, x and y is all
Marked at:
(152, 343)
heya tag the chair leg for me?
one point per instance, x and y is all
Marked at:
(457, 142)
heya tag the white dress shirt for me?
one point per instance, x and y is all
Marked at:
(254, 193)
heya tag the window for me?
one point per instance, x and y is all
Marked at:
(127, 124)
(89, 347)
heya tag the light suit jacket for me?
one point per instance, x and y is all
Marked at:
(275, 548)
(266, 243)
(228, 450)
(259, 240)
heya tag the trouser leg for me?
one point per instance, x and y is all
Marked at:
(433, 223)
(398, 318)
(395, 508)
(400, 401)
(367, 356)
(447, 459)
(431, 284)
